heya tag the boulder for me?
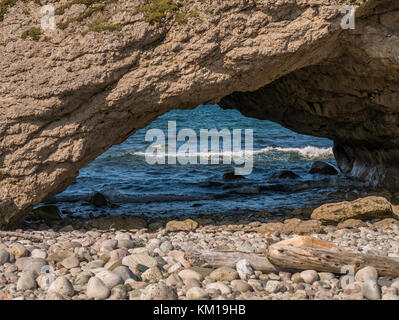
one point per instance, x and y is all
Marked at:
(285, 174)
(48, 213)
(362, 209)
(186, 225)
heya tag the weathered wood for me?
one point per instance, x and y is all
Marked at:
(4, 234)
(312, 258)
(311, 242)
(217, 259)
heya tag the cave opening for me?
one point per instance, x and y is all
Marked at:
(279, 181)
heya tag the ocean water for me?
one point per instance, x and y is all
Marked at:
(136, 187)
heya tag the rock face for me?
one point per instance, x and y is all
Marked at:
(69, 94)
(362, 209)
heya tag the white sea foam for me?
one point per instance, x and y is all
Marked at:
(307, 153)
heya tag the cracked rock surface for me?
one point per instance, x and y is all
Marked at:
(107, 70)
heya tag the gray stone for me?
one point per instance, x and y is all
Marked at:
(224, 274)
(152, 274)
(109, 278)
(139, 258)
(395, 284)
(118, 293)
(326, 276)
(174, 280)
(96, 289)
(371, 290)
(126, 244)
(190, 274)
(109, 245)
(4, 257)
(190, 283)
(54, 296)
(125, 273)
(71, 262)
(223, 288)
(240, 286)
(390, 296)
(38, 253)
(244, 269)
(95, 264)
(26, 281)
(366, 273)
(44, 280)
(83, 278)
(29, 263)
(273, 286)
(158, 291)
(62, 286)
(196, 293)
(166, 246)
(309, 276)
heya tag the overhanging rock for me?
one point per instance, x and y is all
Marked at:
(68, 95)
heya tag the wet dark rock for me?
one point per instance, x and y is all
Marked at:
(99, 200)
(46, 213)
(322, 167)
(285, 174)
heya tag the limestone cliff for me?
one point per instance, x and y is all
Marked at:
(111, 67)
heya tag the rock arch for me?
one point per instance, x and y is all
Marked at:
(72, 93)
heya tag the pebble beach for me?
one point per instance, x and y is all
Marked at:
(79, 261)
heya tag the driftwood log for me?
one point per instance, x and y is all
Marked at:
(217, 259)
(313, 258)
(299, 253)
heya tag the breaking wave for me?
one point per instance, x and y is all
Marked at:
(305, 153)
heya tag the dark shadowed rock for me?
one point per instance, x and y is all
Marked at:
(285, 174)
(321, 167)
(99, 200)
(46, 213)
